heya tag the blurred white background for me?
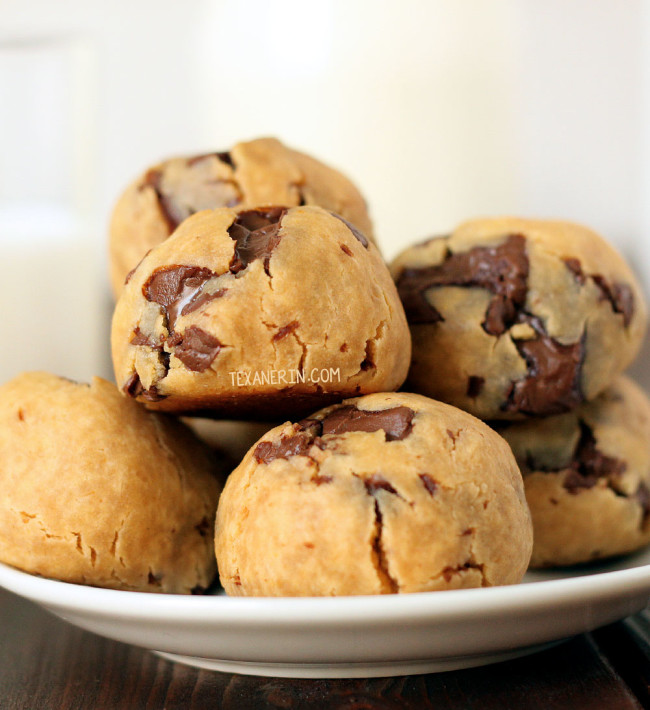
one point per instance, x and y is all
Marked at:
(440, 110)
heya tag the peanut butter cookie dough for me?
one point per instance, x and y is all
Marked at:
(252, 174)
(587, 477)
(98, 491)
(259, 314)
(382, 494)
(513, 317)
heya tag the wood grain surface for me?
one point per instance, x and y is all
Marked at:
(47, 664)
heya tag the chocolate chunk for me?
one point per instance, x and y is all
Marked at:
(376, 483)
(285, 330)
(179, 290)
(197, 191)
(623, 302)
(552, 383)
(133, 388)
(195, 348)
(297, 444)
(139, 338)
(575, 267)
(346, 249)
(619, 295)
(224, 157)
(589, 464)
(502, 270)
(359, 236)
(395, 422)
(256, 235)
(643, 498)
(429, 483)
(475, 386)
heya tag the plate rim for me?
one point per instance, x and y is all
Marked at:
(296, 611)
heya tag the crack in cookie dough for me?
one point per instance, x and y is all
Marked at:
(378, 554)
(256, 235)
(368, 363)
(194, 186)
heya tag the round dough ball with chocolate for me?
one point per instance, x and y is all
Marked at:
(259, 314)
(513, 318)
(252, 174)
(98, 491)
(587, 477)
(381, 494)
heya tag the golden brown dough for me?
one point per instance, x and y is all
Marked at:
(381, 494)
(252, 174)
(98, 491)
(259, 314)
(587, 477)
(513, 317)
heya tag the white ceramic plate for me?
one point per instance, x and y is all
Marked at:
(344, 637)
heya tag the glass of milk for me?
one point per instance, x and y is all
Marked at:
(51, 286)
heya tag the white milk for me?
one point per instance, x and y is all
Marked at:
(51, 296)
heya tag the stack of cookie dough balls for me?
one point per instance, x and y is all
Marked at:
(256, 173)
(516, 319)
(98, 491)
(272, 304)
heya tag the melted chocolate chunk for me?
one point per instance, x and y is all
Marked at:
(224, 157)
(255, 233)
(359, 236)
(220, 193)
(475, 386)
(195, 348)
(575, 267)
(589, 464)
(502, 270)
(179, 290)
(619, 295)
(139, 338)
(395, 422)
(297, 444)
(623, 302)
(133, 388)
(552, 384)
(643, 498)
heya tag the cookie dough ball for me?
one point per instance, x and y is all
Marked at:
(513, 317)
(260, 314)
(98, 491)
(382, 494)
(252, 174)
(587, 477)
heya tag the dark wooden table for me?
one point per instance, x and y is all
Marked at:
(47, 664)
